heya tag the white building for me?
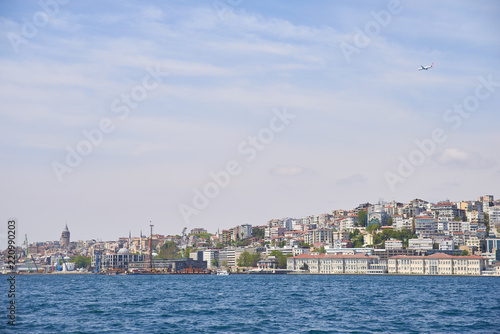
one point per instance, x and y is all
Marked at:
(210, 255)
(447, 244)
(494, 213)
(393, 244)
(332, 264)
(245, 231)
(400, 223)
(420, 244)
(227, 257)
(300, 250)
(437, 264)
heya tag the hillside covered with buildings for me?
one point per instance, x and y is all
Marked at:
(418, 237)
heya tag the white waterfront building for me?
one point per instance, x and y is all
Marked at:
(437, 264)
(332, 264)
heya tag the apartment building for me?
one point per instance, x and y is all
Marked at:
(425, 226)
(420, 244)
(393, 244)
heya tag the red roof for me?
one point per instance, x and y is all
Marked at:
(440, 256)
(443, 204)
(338, 256)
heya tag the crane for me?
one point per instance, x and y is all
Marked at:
(37, 270)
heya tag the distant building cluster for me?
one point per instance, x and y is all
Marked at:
(418, 237)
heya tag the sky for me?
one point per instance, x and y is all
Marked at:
(122, 114)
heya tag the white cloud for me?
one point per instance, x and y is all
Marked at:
(351, 180)
(288, 170)
(460, 158)
(224, 76)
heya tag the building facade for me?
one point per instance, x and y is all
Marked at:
(437, 264)
(332, 264)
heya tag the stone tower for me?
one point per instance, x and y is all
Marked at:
(65, 237)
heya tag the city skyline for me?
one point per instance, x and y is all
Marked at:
(143, 233)
(214, 114)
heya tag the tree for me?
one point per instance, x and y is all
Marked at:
(322, 250)
(371, 228)
(487, 222)
(389, 221)
(215, 262)
(465, 252)
(362, 218)
(304, 244)
(185, 253)
(242, 243)
(304, 267)
(354, 233)
(169, 250)
(201, 235)
(248, 260)
(356, 238)
(413, 228)
(81, 261)
(282, 259)
(257, 232)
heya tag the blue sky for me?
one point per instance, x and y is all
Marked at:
(226, 67)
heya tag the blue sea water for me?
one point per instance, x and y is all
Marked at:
(253, 304)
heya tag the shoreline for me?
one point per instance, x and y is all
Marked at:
(266, 274)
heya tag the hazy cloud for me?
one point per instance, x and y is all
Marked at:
(288, 170)
(351, 180)
(460, 158)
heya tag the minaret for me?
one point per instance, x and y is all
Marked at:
(129, 239)
(150, 255)
(140, 244)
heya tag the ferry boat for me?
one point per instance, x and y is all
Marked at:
(222, 272)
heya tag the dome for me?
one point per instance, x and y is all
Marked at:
(123, 251)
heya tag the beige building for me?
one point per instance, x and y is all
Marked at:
(474, 242)
(437, 264)
(332, 264)
(393, 244)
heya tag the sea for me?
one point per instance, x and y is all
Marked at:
(252, 304)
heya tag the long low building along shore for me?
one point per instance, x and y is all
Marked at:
(435, 264)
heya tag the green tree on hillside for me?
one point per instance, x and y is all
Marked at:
(248, 260)
(81, 261)
(169, 250)
(282, 259)
(362, 218)
(372, 228)
(257, 232)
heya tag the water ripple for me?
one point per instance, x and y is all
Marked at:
(256, 304)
